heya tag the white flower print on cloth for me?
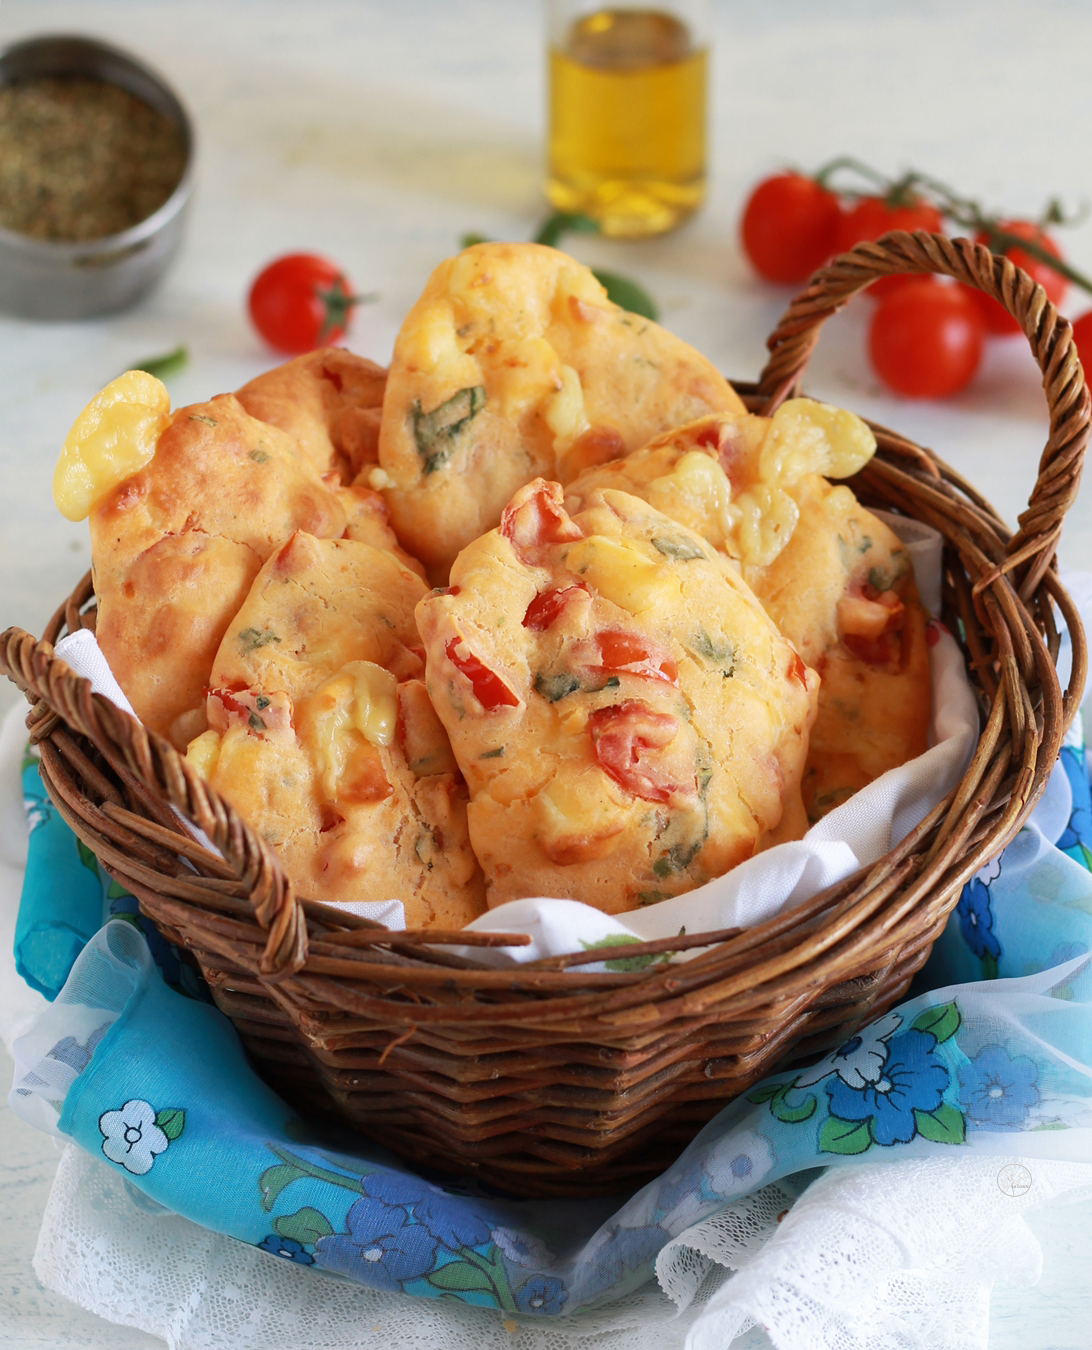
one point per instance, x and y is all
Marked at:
(860, 1060)
(736, 1164)
(136, 1135)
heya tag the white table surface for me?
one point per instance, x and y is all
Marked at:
(378, 132)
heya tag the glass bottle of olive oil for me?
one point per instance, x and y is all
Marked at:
(627, 114)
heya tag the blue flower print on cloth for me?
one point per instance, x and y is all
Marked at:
(998, 1091)
(541, 1294)
(1031, 908)
(406, 1230)
(885, 1086)
(381, 1242)
(61, 905)
(976, 919)
(66, 899)
(860, 1060)
(288, 1249)
(430, 1207)
(912, 1081)
(197, 1132)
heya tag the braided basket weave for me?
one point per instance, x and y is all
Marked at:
(550, 1079)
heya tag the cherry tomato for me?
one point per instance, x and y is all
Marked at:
(535, 519)
(789, 227)
(548, 606)
(300, 302)
(998, 320)
(870, 623)
(1082, 336)
(489, 689)
(872, 217)
(624, 653)
(625, 739)
(926, 339)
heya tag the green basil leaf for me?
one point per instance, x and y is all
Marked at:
(677, 547)
(564, 222)
(162, 367)
(627, 294)
(435, 432)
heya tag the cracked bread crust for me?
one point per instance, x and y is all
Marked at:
(176, 546)
(843, 591)
(328, 402)
(833, 577)
(629, 721)
(320, 736)
(513, 363)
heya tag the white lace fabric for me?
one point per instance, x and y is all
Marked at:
(108, 1248)
(893, 1257)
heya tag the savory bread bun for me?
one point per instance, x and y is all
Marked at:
(628, 719)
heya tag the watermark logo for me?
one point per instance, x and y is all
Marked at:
(1014, 1179)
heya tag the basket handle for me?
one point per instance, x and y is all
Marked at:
(1030, 551)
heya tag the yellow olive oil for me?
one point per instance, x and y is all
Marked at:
(627, 121)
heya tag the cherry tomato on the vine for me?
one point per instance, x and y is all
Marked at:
(926, 339)
(789, 227)
(300, 302)
(871, 217)
(998, 320)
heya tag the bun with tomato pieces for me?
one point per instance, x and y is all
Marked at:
(513, 363)
(628, 719)
(729, 476)
(329, 402)
(176, 546)
(842, 591)
(834, 578)
(321, 734)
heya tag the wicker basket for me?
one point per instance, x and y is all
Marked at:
(551, 1079)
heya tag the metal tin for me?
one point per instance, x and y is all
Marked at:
(43, 279)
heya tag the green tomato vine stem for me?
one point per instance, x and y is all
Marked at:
(914, 187)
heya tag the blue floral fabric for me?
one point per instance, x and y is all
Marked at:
(66, 899)
(997, 1044)
(61, 905)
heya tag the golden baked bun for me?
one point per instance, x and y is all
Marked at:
(730, 477)
(176, 546)
(514, 364)
(834, 578)
(628, 719)
(842, 591)
(329, 402)
(321, 734)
